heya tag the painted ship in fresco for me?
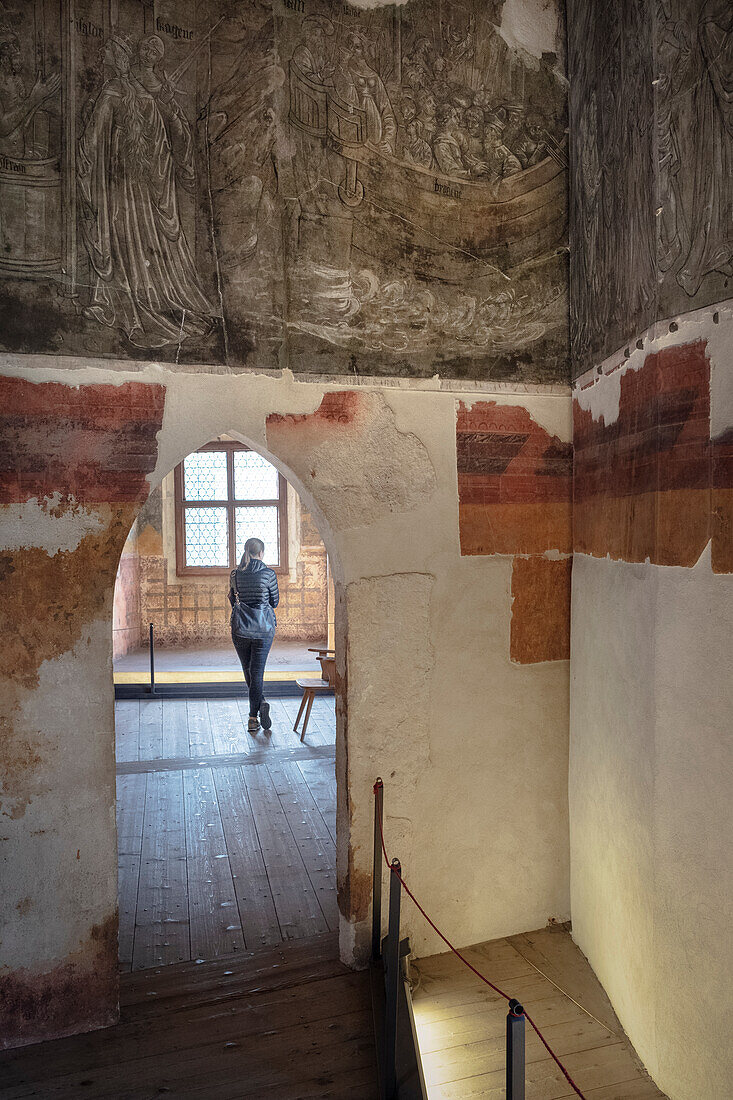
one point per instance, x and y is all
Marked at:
(439, 225)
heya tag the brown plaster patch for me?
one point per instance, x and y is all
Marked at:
(514, 482)
(540, 629)
(355, 895)
(652, 484)
(515, 528)
(45, 603)
(150, 542)
(24, 906)
(78, 994)
(45, 600)
(722, 547)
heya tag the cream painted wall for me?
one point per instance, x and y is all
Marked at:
(651, 780)
(473, 749)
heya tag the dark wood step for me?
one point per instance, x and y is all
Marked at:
(291, 1021)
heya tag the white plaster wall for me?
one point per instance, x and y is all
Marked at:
(472, 748)
(651, 776)
(651, 782)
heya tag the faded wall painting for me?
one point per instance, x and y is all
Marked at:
(301, 183)
(651, 195)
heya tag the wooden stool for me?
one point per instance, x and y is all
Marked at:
(311, 688)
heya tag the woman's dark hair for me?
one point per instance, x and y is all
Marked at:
(253, 548)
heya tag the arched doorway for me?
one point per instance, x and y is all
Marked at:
(227, 839)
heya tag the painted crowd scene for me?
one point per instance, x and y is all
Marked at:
(300, 184)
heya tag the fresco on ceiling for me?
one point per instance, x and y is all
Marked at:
(652, 204)
(298, 184)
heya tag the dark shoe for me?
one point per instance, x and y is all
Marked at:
(253, 724)
(265, 715)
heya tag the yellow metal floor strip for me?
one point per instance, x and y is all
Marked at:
(196, 676)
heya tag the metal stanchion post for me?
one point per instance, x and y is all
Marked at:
(152, 662)
(377, 871)
(515, 1051)
(392, 978)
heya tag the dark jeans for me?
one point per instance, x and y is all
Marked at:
(253, 655)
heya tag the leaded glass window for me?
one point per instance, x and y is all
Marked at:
(226, 494)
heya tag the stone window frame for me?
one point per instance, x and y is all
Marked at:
(231, 504)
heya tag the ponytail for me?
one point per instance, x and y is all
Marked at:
(253, 548)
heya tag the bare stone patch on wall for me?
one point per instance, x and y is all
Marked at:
(359, 465)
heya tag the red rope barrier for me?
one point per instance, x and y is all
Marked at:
(465, 961)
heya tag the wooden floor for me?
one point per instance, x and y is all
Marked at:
(461, 1023)
(227, 840)
(290, 1023)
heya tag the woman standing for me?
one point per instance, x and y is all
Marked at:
(254, 595)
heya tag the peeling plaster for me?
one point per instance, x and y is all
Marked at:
(534, 26)
(599, 391)
(358, 464)
(81, 991)
(394, 544)
(47, 525)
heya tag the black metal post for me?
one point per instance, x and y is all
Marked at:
(377, 871)
(152, 662)
(392, 978)
(515, 1051)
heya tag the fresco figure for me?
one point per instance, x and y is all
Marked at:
(711, 216)
(311, 55)
(414, 147)
(501, 162)
(135, 145)
(450, 143)
(17, 106)
(359, 85)
(673, 51)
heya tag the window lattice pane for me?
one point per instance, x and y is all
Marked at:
(254, 477)
(205, 476)
(259, 523)
(207, 541)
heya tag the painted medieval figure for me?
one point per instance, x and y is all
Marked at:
(449, 146)
(17, 106)
(311, 55)
(359, 85)
(711, 217)
(501, 162)
(136, 145)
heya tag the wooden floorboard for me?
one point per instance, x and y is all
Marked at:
(127, 729)
(221, 851)
(161, 926)
(298, 910)
(257, 914)
(175, 728)
(295, 1024)
(461, 1023)
(199, 728)
(151, 729)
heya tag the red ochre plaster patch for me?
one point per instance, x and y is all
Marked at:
(540, 629)
(78, 994)
(514, 482)
(652, 485)
(95, 443)
(336, 409)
